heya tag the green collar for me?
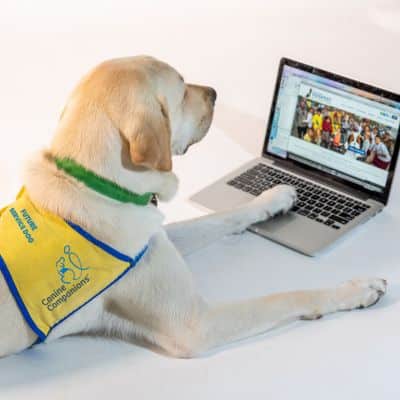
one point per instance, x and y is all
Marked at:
(101, 185)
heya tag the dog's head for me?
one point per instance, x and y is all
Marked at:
(155, 112)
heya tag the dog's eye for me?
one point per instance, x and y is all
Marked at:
(184, 95)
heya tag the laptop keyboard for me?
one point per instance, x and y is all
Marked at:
(314, 202)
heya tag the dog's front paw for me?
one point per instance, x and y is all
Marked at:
(279, 199)
(350, 295)
(359, 293)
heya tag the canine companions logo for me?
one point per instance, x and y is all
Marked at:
(69, 266)
(70, 270)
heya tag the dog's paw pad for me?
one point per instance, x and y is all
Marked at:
(311, 317)
(360, 293)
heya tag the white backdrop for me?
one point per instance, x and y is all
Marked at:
(235, 46)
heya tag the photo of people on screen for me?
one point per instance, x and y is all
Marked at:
(343, 132)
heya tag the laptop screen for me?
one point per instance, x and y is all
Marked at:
(331, 126)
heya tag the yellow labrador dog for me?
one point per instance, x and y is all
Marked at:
(124, 121)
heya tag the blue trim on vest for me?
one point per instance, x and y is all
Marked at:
(108, 249)
(18, 300)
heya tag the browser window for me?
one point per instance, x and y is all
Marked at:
(334, 127)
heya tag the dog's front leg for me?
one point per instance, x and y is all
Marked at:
(159, 304)
(194, 234)
(231, 322)
(194, 328)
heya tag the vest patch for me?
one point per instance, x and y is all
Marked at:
(54, 267)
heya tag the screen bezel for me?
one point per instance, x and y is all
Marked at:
(381, 197)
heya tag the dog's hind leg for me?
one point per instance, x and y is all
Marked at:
(197, 233)
(15, 333)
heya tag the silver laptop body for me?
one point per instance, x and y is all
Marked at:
(335, 140)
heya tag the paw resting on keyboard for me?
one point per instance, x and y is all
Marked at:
(279, 199)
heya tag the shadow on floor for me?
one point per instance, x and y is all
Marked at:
(64, 357)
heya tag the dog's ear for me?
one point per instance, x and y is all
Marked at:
(147, 130)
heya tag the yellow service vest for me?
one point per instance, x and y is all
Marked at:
(54, 267)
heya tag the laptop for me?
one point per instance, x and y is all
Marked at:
(336, 140)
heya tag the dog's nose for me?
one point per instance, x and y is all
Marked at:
(212, 94)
